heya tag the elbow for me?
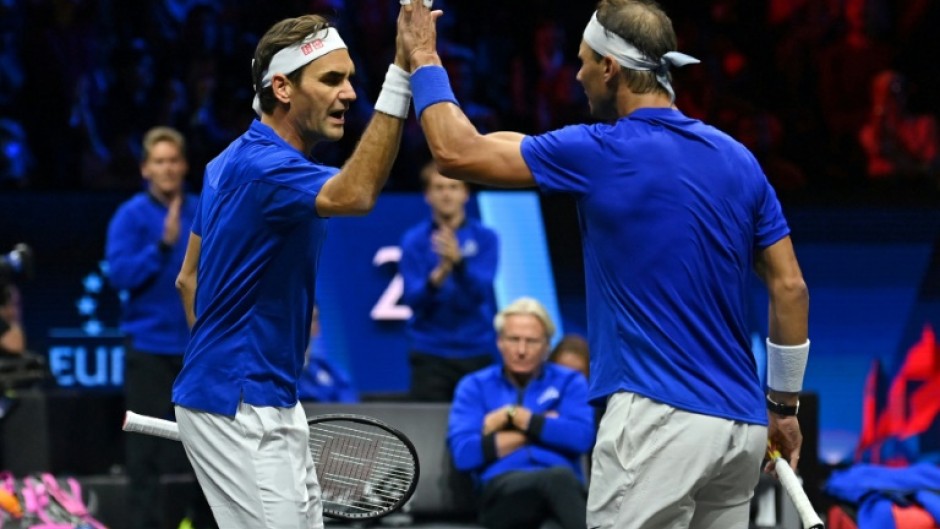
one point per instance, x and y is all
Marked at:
(453, 160)
(793, 290)
(363, 205)
(184, 284)
(353, 204)
(453, 167)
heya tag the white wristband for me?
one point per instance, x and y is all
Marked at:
(395, 97)
(785, 366)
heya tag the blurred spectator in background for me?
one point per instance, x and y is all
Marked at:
(322, 380)
(144, 251)
(15, 158)
(845, 67)
(12, 337)
(102, 73)
(898, 143)
(448, 264)
(572, 352)
(523, 427)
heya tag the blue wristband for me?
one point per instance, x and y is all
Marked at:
(429, 85)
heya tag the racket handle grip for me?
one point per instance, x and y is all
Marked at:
(794, 489)
(134, 422)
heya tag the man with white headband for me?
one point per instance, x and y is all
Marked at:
(249, 273)
(673, 215)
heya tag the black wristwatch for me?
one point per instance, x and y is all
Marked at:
(783, 409)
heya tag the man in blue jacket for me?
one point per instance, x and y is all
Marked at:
(522, 428)
(144, 252)
(448, 264)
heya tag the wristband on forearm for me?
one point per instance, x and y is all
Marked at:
(395, 97)
(431, 86)
(786, 365)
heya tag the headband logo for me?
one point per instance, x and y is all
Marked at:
(307, 48)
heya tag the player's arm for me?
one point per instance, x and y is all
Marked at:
(787, 342)
(788, 319)
(459, 150)
(354, 190)
(464, 154)
(186, 280)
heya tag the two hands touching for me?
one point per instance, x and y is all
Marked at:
(509, 425)
(416, 41)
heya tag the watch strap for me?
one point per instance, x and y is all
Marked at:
(782, 409)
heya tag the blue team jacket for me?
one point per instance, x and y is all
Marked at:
(553, 441)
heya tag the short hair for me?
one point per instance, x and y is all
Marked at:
(285, 33)
(160, 134)
(524, 306)
(431, 167)
(645, 25)
(571, 343)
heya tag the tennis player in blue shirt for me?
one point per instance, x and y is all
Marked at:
(248, 277)
(674, 215)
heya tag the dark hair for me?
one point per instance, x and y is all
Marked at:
(645, 25)
(285, 33)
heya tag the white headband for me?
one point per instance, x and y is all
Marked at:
(607, 42)
(294, 57)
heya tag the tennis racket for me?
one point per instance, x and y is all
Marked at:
(366, 468)
(795, 490)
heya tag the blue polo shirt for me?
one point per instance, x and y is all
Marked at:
(261, 239)
(671, 211)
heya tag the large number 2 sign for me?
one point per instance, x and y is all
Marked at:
(387, 307)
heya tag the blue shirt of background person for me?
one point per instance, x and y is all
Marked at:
(525, 413)
(448, 264)
(257, 218)
(558, 392)
(323, 380)
(144, 265)
(664, 341)
(522, 428)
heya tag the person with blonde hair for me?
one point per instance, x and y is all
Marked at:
(522, 428)
(144, 251)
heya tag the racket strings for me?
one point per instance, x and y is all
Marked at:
(362, 469)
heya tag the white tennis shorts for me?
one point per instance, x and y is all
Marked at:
(255, 468)
(657, 467)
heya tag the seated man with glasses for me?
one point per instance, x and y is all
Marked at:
(523, 427)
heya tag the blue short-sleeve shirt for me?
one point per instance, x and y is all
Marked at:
(261, 240)
(671, 211)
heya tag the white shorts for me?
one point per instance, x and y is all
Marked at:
(657, 467)
(255, 468)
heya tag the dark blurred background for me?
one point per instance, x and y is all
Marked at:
(837, 98)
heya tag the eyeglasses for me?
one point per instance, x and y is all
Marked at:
(519, 340)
